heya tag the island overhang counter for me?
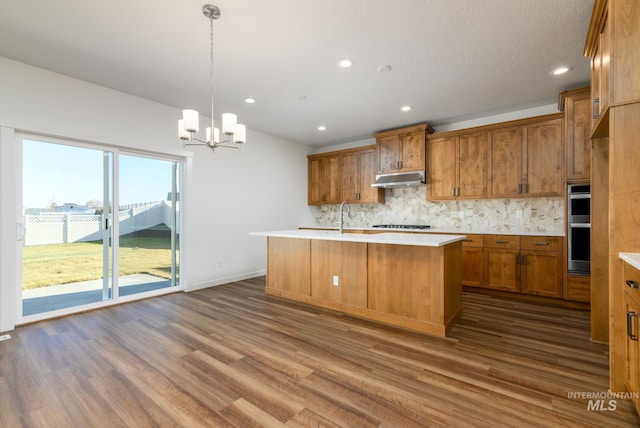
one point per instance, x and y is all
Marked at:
(408, 280)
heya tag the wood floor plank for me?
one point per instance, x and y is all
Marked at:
(230, 356)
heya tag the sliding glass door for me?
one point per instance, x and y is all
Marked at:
(148, 219)
(97, 225)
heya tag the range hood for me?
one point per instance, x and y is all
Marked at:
(399, 179)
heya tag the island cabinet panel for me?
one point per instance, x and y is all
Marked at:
(339, 272)
(412, 284)
(289, 266)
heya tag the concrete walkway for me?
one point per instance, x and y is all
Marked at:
(45, 299)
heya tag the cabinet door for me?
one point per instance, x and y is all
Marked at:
(413, 149)
(442, 169)
(542, 273)
(366, 176)
(472, 266)
(542, 158)
(472, 165)
(350, 177)
(501, 269)
(389, 152)
(333, 179)
(632, 351)
(316, 181)
(504, 162)
(578, 144)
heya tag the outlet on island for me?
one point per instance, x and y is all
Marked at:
(336, 280)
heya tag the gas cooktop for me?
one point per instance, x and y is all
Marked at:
(402, 226)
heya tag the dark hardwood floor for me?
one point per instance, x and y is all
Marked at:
(230, 356)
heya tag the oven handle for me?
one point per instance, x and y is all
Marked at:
(580, 225)
(580, 196)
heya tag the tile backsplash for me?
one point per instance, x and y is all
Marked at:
(410, 206)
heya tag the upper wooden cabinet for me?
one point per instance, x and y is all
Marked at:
(611, 45)
(577, 107)
(358, 172)
(402, 149)
(456, 166)
(324, 179)
(525, 159)
(344, 175)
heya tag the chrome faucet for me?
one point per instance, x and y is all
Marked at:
(341, 222)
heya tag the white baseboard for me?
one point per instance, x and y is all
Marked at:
(225, 280)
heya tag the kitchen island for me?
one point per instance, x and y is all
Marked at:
(408, 280)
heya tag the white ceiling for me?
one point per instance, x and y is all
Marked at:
(451, 59)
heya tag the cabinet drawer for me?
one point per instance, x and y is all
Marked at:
(502, 241)
(473, 240)
(632, 281)
(542, 243)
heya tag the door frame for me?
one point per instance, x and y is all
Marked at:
(184, 161)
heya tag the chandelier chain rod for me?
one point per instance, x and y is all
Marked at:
(211, 80)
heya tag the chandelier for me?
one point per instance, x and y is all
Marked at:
(188, 126)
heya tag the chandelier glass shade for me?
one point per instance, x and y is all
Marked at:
(234, 132)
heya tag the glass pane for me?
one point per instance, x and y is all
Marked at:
(148, 219)
(65, 190)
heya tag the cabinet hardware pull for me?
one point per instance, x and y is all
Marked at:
(540, 243)
(523, 259)
(453, 191)
(501, 241)
(457, 191)
(519, 188)
(596, 102)
(525, 188)
(630, 316)
(632, 284)
(400, 164)
(467, 240)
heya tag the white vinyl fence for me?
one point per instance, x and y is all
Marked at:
(53, 228)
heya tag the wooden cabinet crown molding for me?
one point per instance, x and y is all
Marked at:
(492, 126)
(423, 127)
(593, 33)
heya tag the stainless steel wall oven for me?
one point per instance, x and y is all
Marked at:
(579, 230)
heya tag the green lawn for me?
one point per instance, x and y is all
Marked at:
(45, 265)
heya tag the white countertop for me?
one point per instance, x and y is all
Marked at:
(421, 240)
(445, 230)
(632, 258)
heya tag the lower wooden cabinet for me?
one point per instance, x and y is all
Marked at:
(541, 265)
(579, 288)
(524, 264)
(472, 261)
(501, 266)
(632, 345)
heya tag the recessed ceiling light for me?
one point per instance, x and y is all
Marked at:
(322, 128)
(384, 68)
(345, 63)
(249, 100)
(406, 108)
(559, 70)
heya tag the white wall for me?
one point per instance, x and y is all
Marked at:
(230, 193)
(454, 126)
